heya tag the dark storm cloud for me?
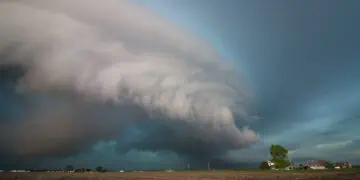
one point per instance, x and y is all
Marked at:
(56, 123)
(189, 140)
(300, 57)
(293, 51)
(97, 67)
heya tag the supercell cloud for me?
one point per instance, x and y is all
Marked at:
(80, 71)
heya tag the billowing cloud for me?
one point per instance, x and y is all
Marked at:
(88, 69)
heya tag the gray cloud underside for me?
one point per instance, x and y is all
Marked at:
(91, 68)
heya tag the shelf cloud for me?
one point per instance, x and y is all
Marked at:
(85, 70)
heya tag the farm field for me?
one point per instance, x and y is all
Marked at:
(221, 175)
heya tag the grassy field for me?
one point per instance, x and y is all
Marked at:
(192, 175)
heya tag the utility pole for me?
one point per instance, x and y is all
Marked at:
(209, 166)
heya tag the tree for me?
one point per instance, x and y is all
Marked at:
(69, 168)
(100, 169)
(79, 170)
(279, 156)
(281, 163)
(264, 166)
(82, 170)
(329, 165)
(278, 152)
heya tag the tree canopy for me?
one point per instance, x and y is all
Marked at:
(279, 156)
(329, 165)
(281, 163)
(278, 152)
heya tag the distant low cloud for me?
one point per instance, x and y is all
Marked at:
(334, 145)
(357, 152)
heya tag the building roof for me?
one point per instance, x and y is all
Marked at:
(342, 163)
(316, 163)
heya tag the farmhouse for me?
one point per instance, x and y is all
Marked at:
(340, 165)
(291, 167)
(316, 164)
(271, 164)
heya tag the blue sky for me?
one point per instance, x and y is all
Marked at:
(300, 60)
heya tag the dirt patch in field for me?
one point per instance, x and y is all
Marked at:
(179, 176)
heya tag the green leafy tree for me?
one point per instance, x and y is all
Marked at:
(329, 165)
(281, 163)
(264, 166)
(279, 156)
(278, 152)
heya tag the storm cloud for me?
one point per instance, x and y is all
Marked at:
(83, 71)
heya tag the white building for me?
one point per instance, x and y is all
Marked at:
(340, 165)
(19, 171)
(270, 164)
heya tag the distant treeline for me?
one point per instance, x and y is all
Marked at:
(44, 170)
